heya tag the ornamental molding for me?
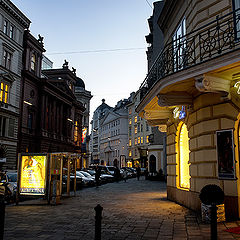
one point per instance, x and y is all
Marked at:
(179, 99)
(208, 83)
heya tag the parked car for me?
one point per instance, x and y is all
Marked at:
(79, 182)
(86, 179)
(9, 180)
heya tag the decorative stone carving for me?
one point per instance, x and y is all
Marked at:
(209, 83)
(174, 99)
(162, 128)
(65, 64)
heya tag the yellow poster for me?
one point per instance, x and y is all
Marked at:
(33, 175)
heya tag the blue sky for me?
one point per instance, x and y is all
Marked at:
(88, 25)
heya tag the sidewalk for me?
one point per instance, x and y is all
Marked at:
(132, 210)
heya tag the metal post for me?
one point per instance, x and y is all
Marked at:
(98, 218)
(2, 211)
(213, 209)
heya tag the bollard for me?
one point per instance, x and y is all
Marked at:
(98, 218)
(213, 210)
(2, 212)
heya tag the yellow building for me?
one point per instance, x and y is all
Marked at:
(192, 91)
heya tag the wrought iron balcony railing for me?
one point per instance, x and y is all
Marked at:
(213, 39)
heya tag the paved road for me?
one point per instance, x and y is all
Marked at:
(132, 210)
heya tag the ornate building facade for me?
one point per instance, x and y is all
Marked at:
(192, 91)
(12, 25)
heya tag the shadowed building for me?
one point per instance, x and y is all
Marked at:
(12, 25)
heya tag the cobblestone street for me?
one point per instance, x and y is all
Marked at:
(131, 210)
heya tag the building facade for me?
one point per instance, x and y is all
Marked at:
(114, 135)
(146, 144)
(51, 114)
(192, 91)
(98, 115)
(12, 25)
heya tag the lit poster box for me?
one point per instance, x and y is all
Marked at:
(33, 174)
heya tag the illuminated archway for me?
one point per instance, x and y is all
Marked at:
(183, 155)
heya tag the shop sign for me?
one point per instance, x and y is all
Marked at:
(225, 154)
(84, 135)
(237, 85)
(180, 114)
(33, 175)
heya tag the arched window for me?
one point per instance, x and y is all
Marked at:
(184, 177)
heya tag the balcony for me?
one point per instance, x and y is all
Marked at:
(214, 39)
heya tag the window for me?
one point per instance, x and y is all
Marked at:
(184, 177)
(4, 92)
(236, 5)
(138, 140)
(2, 126)
(135, 130)
(5, 26)
(130, 142)
(11, 31)
(147, 127)
(33, 62)
(179, 46)
(130, 153)
(7, 58)
(141, 128)
(147, 139)
(76, 132)
(130, 121)
(130, 131)
(142, 140)
(138, 127)
(135, 141)
(30, 121)
(130, 110)
(135, 119)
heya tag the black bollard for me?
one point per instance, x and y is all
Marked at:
(2, 216)
(213, 210)
(98, 218)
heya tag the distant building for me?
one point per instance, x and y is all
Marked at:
(12, 25)
(146, 144)
(98, 115)
(84, 97)
(113, 134)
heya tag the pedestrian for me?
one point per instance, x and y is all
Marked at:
(97, 176)
(117, 174)
(125, 175)
(146, 174)
(138, 172)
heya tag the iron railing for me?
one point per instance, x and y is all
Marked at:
(213, 39)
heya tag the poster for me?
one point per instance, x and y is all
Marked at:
(33, 175)
(225, 154)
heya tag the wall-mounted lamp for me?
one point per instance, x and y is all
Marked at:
(28, 103)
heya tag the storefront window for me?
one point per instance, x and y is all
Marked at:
(184, 177)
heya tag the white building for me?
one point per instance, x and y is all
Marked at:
(98, 114)
(114, 135)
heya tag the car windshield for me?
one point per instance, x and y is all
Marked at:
(12, 177)
(86, 174)
(111, 168)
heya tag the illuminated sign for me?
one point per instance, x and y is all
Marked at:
(84, 135)
(180, 114)
(33, 175)
(237, 85)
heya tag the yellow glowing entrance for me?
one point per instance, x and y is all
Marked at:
(184, 177)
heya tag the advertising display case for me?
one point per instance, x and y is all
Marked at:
(32, 171)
